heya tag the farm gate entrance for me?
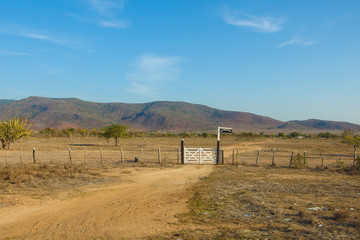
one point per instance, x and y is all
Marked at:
(199, 155)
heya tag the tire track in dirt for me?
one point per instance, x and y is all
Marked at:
(141, 206)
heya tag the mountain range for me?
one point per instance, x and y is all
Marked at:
(154, 116)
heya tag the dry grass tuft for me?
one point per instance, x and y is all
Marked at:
(34, 175)
(341, 216)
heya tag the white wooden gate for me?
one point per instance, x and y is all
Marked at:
(200, 155)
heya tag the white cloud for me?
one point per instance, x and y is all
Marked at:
(113, 23)
(104, 14)
(13, 53)
(15, 30)
(20, 31)
(297, 41)
(260, 24)
(151, 72)
(106, 7)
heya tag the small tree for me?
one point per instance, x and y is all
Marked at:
(115, 131)
(48, 132)
(68, 132)
(13, 130)
(351, 139)
(83, 132)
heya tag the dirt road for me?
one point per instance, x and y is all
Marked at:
(142, 204)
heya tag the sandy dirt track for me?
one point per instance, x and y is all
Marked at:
(143, 204)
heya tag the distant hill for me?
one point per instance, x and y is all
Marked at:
(4, 101)
(154, 116)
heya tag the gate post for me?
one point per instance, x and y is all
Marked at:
(218, 152)
(182, 152)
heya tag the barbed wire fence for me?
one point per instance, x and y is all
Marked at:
(108, 156)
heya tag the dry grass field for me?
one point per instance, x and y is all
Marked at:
(248, 202)
(96, 195)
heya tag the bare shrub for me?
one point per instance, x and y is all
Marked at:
(298, 161)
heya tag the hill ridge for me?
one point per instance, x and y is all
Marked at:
(62, 113)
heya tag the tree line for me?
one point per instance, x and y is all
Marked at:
(16, 128)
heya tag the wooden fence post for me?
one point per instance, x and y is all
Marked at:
(178, 155)
(101, 157)
(182, 152)
(355, 154)
(222, 157)
(273, 157)
(218, 152)
(70, 155)
(257, 157)
(304, 158)
(159, 155)
(237, 155)
(233, 156)
(85, 156)
(122, 155)
(21, 157)
(142, 154)
(291, 158)
(34, 156)
(322, 160)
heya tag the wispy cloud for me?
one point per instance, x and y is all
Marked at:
(152, 71)
(11, 29)
(104, 14)
(106, 7)
(113, 23)
(20, 31)
(13, 53)
(297, 41)
(106, 23)
(257, 23)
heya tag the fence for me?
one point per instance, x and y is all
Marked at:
(286, 158)
(89, 156)
(168, 156)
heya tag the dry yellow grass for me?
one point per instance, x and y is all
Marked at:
(267, 194)
(56, 150)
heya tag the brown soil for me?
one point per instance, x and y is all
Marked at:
(249, 202)
(143, 204)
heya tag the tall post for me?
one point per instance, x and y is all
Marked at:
(34, 158)
(21, 156)
(182, 152)
(142, 154)
(273, 158)
(304, 158)
(355, 154)
(122, 155)
(178, 155)
(70, 155)
(159, 155)
(237, 155)
(51, 155)
(233, 156)
(84, 155)
(222, 157)
(257, 157)
(291, 158)
(322, 160)
(218, 152)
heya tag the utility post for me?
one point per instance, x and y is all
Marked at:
(219, 131)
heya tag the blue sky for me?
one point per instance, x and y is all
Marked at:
(284, 59)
